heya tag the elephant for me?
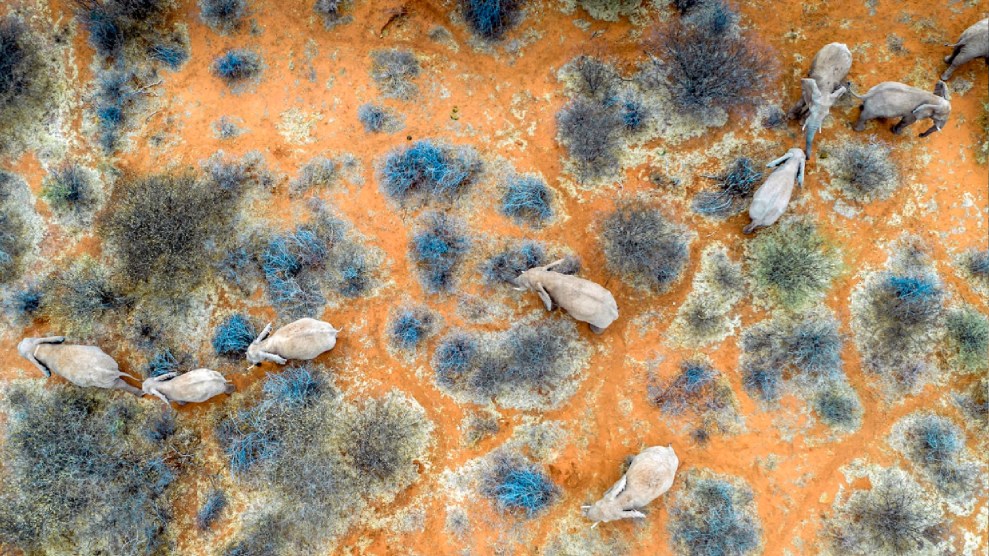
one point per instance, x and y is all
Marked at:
(772, 197)
(823, 86)
(197, 385)
(303, 339)
(974, 43)
(649, 476)
(582, 299)
(86, 366)
(896, 100)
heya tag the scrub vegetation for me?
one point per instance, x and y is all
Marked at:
(792, 264)
(644, 246)
(714, 514)
(705, 317)
(700, 393)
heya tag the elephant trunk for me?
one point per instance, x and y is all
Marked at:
(811, 131)
(932, 129)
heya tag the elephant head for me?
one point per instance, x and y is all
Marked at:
(819, 104)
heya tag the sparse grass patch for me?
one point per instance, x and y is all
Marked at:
(714, 514)
(80, 471)
(526, 199)
(734, 188)
(73, 192)
(792, 264)
(490, 19)
(318, 173)
(896, 516)
(700, 391)
(115, 24)
(936, 445)
(211, 510)
(645, 247)
(838, 406)
(517, 485)
(394, 71)
(228, 128)
(24, 304)
(27, 80)
(528, 366)
(438, 250)
(704, 318)
(505, 266)
(968, 338)
(17, 238)
(863, 171)
(974, 403)
(411, 326)
(79, 295)
(592, 134)
(378, 119)
(332, 12)
(429, 170)
(223, 16)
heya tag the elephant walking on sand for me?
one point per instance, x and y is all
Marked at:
(86, 366)
(896, 100)
(823, 86)
(974, 43)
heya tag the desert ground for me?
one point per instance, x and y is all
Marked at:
(174, 179)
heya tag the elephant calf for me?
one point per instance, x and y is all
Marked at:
(649, 476)
(81, 365)
(823, 87)
(896, 100)
(303, 339)
(772, 197)
(974, 43)
(582, 299)
(196, 386)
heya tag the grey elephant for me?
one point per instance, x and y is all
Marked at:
(86, 366)
(896, 100)
(773, 196)
(974, 43)
(194, 386)
(649, 476)
(823, 86)
(303, 339)
(582, 299)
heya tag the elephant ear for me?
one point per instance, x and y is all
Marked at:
(810, 90)
(941, 90)
(924, 111)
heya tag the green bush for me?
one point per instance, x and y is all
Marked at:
(968, 338)
(792, 264)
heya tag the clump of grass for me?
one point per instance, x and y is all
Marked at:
(974, 266)
(974, 403)
(16, 236)
(733, 189)
(377, 119)
(318, 173)
(864, 171)
(527, 199)
(211, 510)
(114, 24)
(114, 101)
(936, 445)
(895, 516)
(291, 264)
(332, 12)
(593, 78)
(429, 170)
(81, 295)
(161, 363)
(527, 366)
(160, 224)
(592, 134)
(898, 314)
(792, 264)
(838, 406)
(641, 244)
(232, 337)
(393, 71)
(714, 515)
(505, 266)
(24, 304)
(80, 471)
(701, 391)
(806, 346)
(72, 191)
(383, 441)
(27, 80)
(410, 327)
(478, 426)
(238, 66)
(704, 318)
(609, 10)
(228, 128)
(438, 250)
(223, 16)
(968, 338)
(517, 485)
(171, 53)
(702, 67)
(490, 19)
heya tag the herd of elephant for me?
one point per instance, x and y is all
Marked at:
(652, 471)
(826, 83)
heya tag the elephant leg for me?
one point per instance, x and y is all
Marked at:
(863, 117)
(596, 329)
(904, 122)
(121, 385)
(951, 57)
(797, 110)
